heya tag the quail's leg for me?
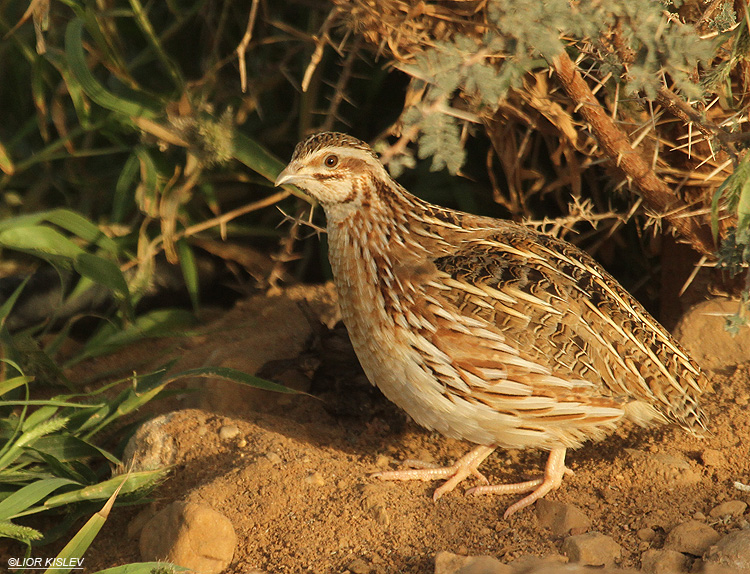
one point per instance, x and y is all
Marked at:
(553, 475)
(455, 473)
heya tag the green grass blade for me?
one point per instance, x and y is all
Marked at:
(236, 376)
(78, 545)
(14, 383)
(189, 271)
(41, 241)
(130, 483)
(146, 388)
(89, 84)
(82, 227)
(256, 157)
(39, 416)
(159, 323)
(29, 495)
(6, 163)
(12, 364)
(7, 306)
(122, 202)
(61, 470)
(47, 402)
(104, 272)
(144, 568)
(22, 220)
(68, 448)
(743, 206)
(14, 449)
(156, 43)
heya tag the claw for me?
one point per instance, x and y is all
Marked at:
(467, 465)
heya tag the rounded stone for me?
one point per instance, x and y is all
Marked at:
(191, 535)
(561, 519)
(592, 549)
(228, 432)
(728, 508)
(151, 447)
(731, 551)
(664, 562)
(691, 537)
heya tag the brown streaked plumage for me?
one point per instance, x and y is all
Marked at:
(483, 329)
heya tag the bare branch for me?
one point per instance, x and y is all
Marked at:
(657, 195)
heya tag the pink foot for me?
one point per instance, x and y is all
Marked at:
(553, 475)
(455, 473)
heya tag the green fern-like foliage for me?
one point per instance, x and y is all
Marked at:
(652, 45)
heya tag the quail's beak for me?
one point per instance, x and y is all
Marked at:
(290, 175)
(286, 176)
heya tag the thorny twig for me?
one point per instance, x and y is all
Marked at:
(580, 211)
(242, 48)
(302, 222)
(616, 144)
(157, 243)
(691, 116)
(321, 39)
(339, 92)
(285, 254)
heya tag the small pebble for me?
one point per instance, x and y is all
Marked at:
(273, 458)
(713, 457)
(728, 508)
(316, 479)
(592, 549)
(228, 432)
(530, 563)
(382, 461)
(190, 534)
(380, 514)
(424, 455)
(359, 566)
(671, 460)
(449, 563)
(561, 519)
(646, 534)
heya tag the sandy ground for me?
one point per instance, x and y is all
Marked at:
(293, 476)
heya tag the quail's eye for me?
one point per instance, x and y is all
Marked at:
(331, 161)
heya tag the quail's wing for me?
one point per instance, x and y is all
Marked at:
(559, 310)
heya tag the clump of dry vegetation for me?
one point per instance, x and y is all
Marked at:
(653, 92)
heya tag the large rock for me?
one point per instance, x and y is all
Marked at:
(702, 331)
(263, 336)
(731, 551)
(691, 537)
(191, 535)
(664, 562)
